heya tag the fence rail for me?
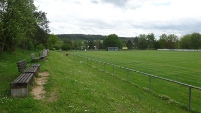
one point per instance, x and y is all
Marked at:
(150, 76)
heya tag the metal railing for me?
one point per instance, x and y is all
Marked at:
(150, 76)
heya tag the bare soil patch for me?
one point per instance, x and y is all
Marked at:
(38, 90)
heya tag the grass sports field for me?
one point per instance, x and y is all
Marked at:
(75, 86)
(183, 67)
(180, 66)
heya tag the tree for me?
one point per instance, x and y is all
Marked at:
(16, 22)
(42, 28)
(135, 42)
(163, 41)
(98, 44)
(185, 42)
(168, 41)
(172, 41)
(65, 46)
(150, 41)
(142, 41)
(42, 21)
(90, 44)
(195, 40)
(129, 44)
(112, 41)
(52, 40)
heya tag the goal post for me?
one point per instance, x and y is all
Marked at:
(112, 48)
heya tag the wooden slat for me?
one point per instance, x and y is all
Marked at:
(35, 65)
(24, 78)
(31, 70)
(21, 65)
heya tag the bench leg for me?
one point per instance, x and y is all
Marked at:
(20, 92)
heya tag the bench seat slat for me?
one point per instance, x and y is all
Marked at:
(31, 70)
(35, 65)
(23, 78)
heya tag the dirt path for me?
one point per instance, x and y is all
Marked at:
(38, 90)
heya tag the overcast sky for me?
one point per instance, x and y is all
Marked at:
(127, 18)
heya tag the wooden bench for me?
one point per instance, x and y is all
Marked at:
(22, 67)
(34, 58)
(44, 54)
(21, 85)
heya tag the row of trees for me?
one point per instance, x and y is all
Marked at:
(22, 25)
(143, 42)
(150, 42)
(171, 41)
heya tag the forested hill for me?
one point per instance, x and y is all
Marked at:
(86, 37)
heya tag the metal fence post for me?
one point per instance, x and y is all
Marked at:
(189, 99)
(113, 71)
(128, 73)
(150, 83)
(104, 66)
(97, 64)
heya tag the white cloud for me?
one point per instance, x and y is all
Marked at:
(123, 17)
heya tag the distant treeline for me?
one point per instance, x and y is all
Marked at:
(142, 42)
(87, 37)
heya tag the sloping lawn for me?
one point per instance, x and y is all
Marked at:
(74, 86)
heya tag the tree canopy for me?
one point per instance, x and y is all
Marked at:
(19, 25)
(112, 41)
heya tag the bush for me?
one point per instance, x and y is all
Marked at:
(65, 47)
(56, 47)
(30, 46)
(40, 47)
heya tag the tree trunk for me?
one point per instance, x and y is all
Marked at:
(2, 45)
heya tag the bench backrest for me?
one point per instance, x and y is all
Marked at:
(21, 65)
(33, 56)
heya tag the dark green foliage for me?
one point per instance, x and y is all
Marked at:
(168, 41)
(21, 26)
(129, 44)
(185, 42)
(17, 23)
(80, 36)
(57, 47)
(52, 40)
(112, 41)
(91, 44)
(135, 42)
(150, 41)
(142, 42)
(40, 47)
(191, 41)
(30, 46)
(66, 47)
(195, 40)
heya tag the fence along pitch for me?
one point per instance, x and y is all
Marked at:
(154, 76)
